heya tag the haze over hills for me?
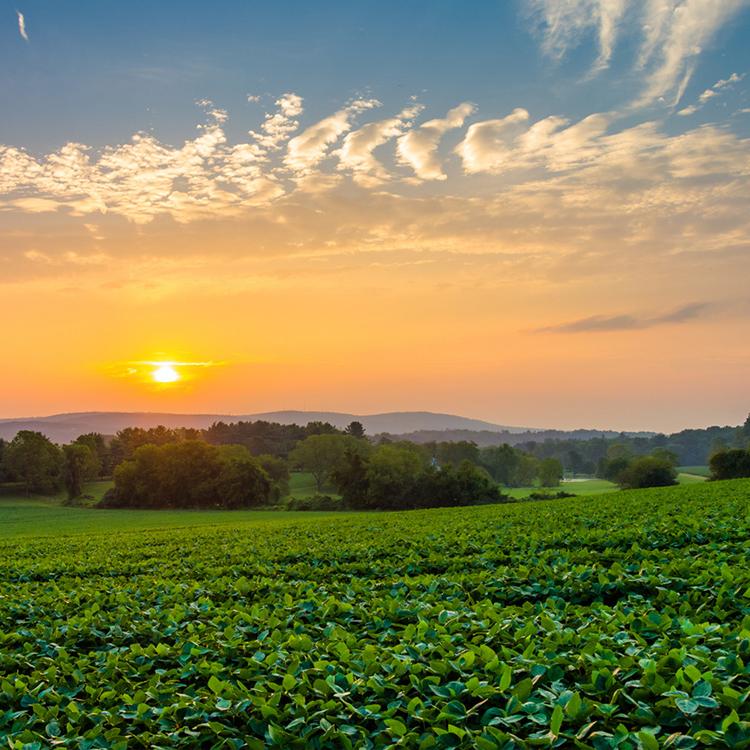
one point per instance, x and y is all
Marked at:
(66, 427)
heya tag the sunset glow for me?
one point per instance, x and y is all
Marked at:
(553, 212)
(165, 374)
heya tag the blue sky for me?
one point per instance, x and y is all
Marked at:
(510, 209)
(97, 72)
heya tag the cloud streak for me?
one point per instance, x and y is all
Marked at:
(608, 324)
(670, 35)
(22, 26)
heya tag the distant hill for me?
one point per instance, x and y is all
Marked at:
(63, 428)
(485, 438)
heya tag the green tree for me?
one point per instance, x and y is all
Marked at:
(99, 451)
(527, 471)
(80, 465)
(324, 455)
(34, 460)
(550, 472)
(391, 474)
(190, 474)
(502, 462)
(355, 429)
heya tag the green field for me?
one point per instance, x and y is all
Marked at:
(597, 622)
(699, 471)
(590, 486)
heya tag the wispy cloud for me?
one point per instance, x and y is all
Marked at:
(564, 24)
(604, 323)
(671, 34)
(22, 26)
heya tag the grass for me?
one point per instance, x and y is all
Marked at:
(619, 620)
(585, 487)
(699, 471)
(302, 485)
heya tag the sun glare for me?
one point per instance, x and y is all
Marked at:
(165, 373)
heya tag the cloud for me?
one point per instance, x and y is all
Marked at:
(676, 34)
(22, 26)
(278, 127)
(419, 147)
(709, 94)
(310, 147)
(604, 323)
(498, 146)
(671, 34)
(356, 153)
(565, 23)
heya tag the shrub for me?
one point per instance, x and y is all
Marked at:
(648, 471)
(314, 502)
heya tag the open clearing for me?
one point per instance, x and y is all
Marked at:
(619, 620)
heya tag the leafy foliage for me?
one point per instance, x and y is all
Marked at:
(621, 621)
(190, 474)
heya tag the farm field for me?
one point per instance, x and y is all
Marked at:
(621, 620)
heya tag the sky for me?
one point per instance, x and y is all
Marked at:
(533, 212)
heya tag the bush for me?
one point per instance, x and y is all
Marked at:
(314, 502)
(559, 495)
(647, 471)
(730, 464)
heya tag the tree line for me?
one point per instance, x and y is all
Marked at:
(247, 464)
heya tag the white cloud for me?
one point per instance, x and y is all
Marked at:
(278, 127)
(22, 26)
(309, 148)
(709, 94)
(677, 32)
(486, 146)
(356, 153)
(672, 34)
(498, 146)
(419, 147)
(566, 22)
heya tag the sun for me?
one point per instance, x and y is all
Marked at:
(165, 373)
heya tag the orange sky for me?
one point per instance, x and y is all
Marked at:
(499, 229)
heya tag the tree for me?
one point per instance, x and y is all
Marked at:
(190, 474)
(454, 452)
(502, 462)
(730, 464)
(526, 471)
(648, 471)
(278, 472)
(80, 464)
(391, 473)
(355, 429)
(612, 468)
(34, 460)
(99, 451)
(323, 455)
(550, 472)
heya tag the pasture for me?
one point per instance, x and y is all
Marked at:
(621, 620)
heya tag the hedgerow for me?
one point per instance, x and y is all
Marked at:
(618, 621)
